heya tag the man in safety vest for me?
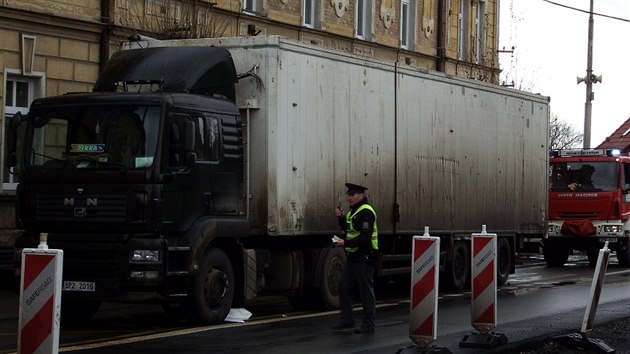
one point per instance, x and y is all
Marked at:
(361, 244)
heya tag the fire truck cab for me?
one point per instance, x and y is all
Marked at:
(589, 204)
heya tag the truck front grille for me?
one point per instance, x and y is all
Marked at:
(90, 260)
(98, 207)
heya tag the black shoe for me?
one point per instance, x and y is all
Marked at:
(364, 330)
(342, 327)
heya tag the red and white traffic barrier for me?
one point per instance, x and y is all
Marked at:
(424, 289)
(40, 299)
(484, 292)
(596, 290)
(581, 340)
(484, 281)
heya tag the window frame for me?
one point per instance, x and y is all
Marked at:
(405, 24)
(255, 6)
(480, 23)
(362, 29)
(35, 88)
(308, 21)
(463, 31)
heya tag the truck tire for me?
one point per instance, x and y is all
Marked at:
(212, 289)
(457, 269)
(75, 311)
(326, 295)
(333, 260)
(504, 261)
(555, 255)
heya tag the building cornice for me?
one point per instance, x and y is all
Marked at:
(24, 21)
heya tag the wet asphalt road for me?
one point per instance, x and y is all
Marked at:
(537, 303)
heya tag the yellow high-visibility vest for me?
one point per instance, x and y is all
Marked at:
(352, 233)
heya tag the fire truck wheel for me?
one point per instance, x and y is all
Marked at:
(77, 311)
(504, 261)
(212, 289)
(623, 254)
(457, 269)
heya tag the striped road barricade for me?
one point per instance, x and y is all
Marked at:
(484, 292)
(40, 299)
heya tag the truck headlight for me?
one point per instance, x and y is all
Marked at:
(612, 228)
(144, 256)
(551, 228)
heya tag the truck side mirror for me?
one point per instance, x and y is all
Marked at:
(11, 139)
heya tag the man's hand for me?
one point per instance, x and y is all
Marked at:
(338, 212)
(340, 242)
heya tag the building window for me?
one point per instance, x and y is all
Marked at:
(252, 5)
(308, 13)
(19, 93)
(405, 24)
(362, 18)
(480, 23)
(462, 34)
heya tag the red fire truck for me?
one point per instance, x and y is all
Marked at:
(589, 203)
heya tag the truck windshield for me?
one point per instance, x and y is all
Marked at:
(584, 176)
(94, 137)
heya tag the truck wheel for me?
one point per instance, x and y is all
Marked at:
(326, 296)
(555, 256)
(212, 289)
(623, 254)
(457, 271)
(333, 260)
(75, 311)
(504, 261)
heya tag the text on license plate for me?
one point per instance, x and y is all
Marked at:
(609, 239)
(79, 286)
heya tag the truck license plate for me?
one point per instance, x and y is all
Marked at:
(79, 286)
(609, 239)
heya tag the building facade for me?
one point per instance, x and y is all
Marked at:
(51, 47)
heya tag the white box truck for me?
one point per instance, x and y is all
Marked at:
(203, 172)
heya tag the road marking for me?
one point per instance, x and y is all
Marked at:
(135, 339)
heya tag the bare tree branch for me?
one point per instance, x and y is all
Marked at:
(177, 19)
(562, 135)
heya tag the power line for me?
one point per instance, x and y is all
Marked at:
(587, 12)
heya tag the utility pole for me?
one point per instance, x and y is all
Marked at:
(589, 80)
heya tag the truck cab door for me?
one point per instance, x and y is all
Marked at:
(16, 133)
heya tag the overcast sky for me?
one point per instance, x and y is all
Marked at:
(551, 51)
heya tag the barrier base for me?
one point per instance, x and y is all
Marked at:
(479, 340)
(582, 342)
(433, 349)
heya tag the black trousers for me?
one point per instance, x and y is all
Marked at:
(362, 275)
